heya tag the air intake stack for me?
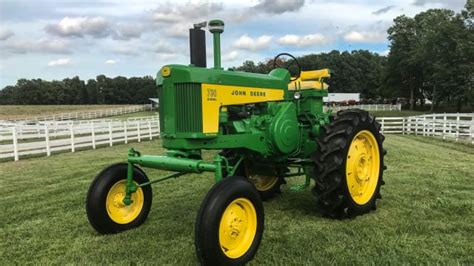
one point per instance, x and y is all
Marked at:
(216, 27)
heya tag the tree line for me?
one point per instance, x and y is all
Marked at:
(101, 90)
(431, 57)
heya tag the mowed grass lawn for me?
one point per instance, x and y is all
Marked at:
(426, 214)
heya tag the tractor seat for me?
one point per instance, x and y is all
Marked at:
(313, 79)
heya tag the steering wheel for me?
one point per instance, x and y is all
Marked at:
(287, 64)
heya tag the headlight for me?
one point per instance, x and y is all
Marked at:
(165, 71)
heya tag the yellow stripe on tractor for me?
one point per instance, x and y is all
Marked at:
(215, 96)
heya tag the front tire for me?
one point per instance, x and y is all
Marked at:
(104, 204)
(230, 223)
(349, 164)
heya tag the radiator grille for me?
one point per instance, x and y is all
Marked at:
(188, 107)
(161, 108)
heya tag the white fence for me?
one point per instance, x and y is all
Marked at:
(48, 137)
(368, 107)
(56, 136)
(455, 126)
(90, 114)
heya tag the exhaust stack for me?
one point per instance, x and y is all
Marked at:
(197, 45)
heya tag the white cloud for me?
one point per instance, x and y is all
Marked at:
(279, 6)
(163, 47)
(365, 37)
(165, 57)
(126, 50)
(111, 62)
(178, 30)
(40, 46)
(247, 43)
(454, 4)
(97, 27)
(5, 34)
(128, 31)
(60, 62)
(188, 12)
(231, 56)
(303, 41)
(383, 10)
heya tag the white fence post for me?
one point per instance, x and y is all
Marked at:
(416, 125)
(382, 124)
(46, 139)
(125, 131)
(403, 125)
(471, 130)
(149, 128)
(138, 131)
(444, 125)
(93, 135)
(159, 129)
(424, 125)
(458, 118)
(71, 128)
(110, 134)
(15, 143)
(408, 125)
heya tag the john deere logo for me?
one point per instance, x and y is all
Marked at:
(211, 95)
(237, 92)
(257, 93)
(245, 93)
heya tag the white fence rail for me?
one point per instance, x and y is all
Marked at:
(368, 107)
(455, 126)
(90, 114)
(49, 137)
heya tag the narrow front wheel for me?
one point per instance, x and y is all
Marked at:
(106, 211)
(229, 225)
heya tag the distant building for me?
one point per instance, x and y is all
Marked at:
(155, 102)
(342, 98)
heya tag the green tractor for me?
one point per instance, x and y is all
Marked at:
(266, 128)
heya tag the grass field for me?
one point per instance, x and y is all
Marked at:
(425, 217)
(25, 111)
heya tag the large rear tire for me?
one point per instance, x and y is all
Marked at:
(104, 204)
(230, 223)
(349, 164)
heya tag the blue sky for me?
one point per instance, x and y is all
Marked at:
(59, 39)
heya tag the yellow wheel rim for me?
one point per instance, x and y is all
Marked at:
(362, 167)
(237, 228)
(263, 182)
(117, 210)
